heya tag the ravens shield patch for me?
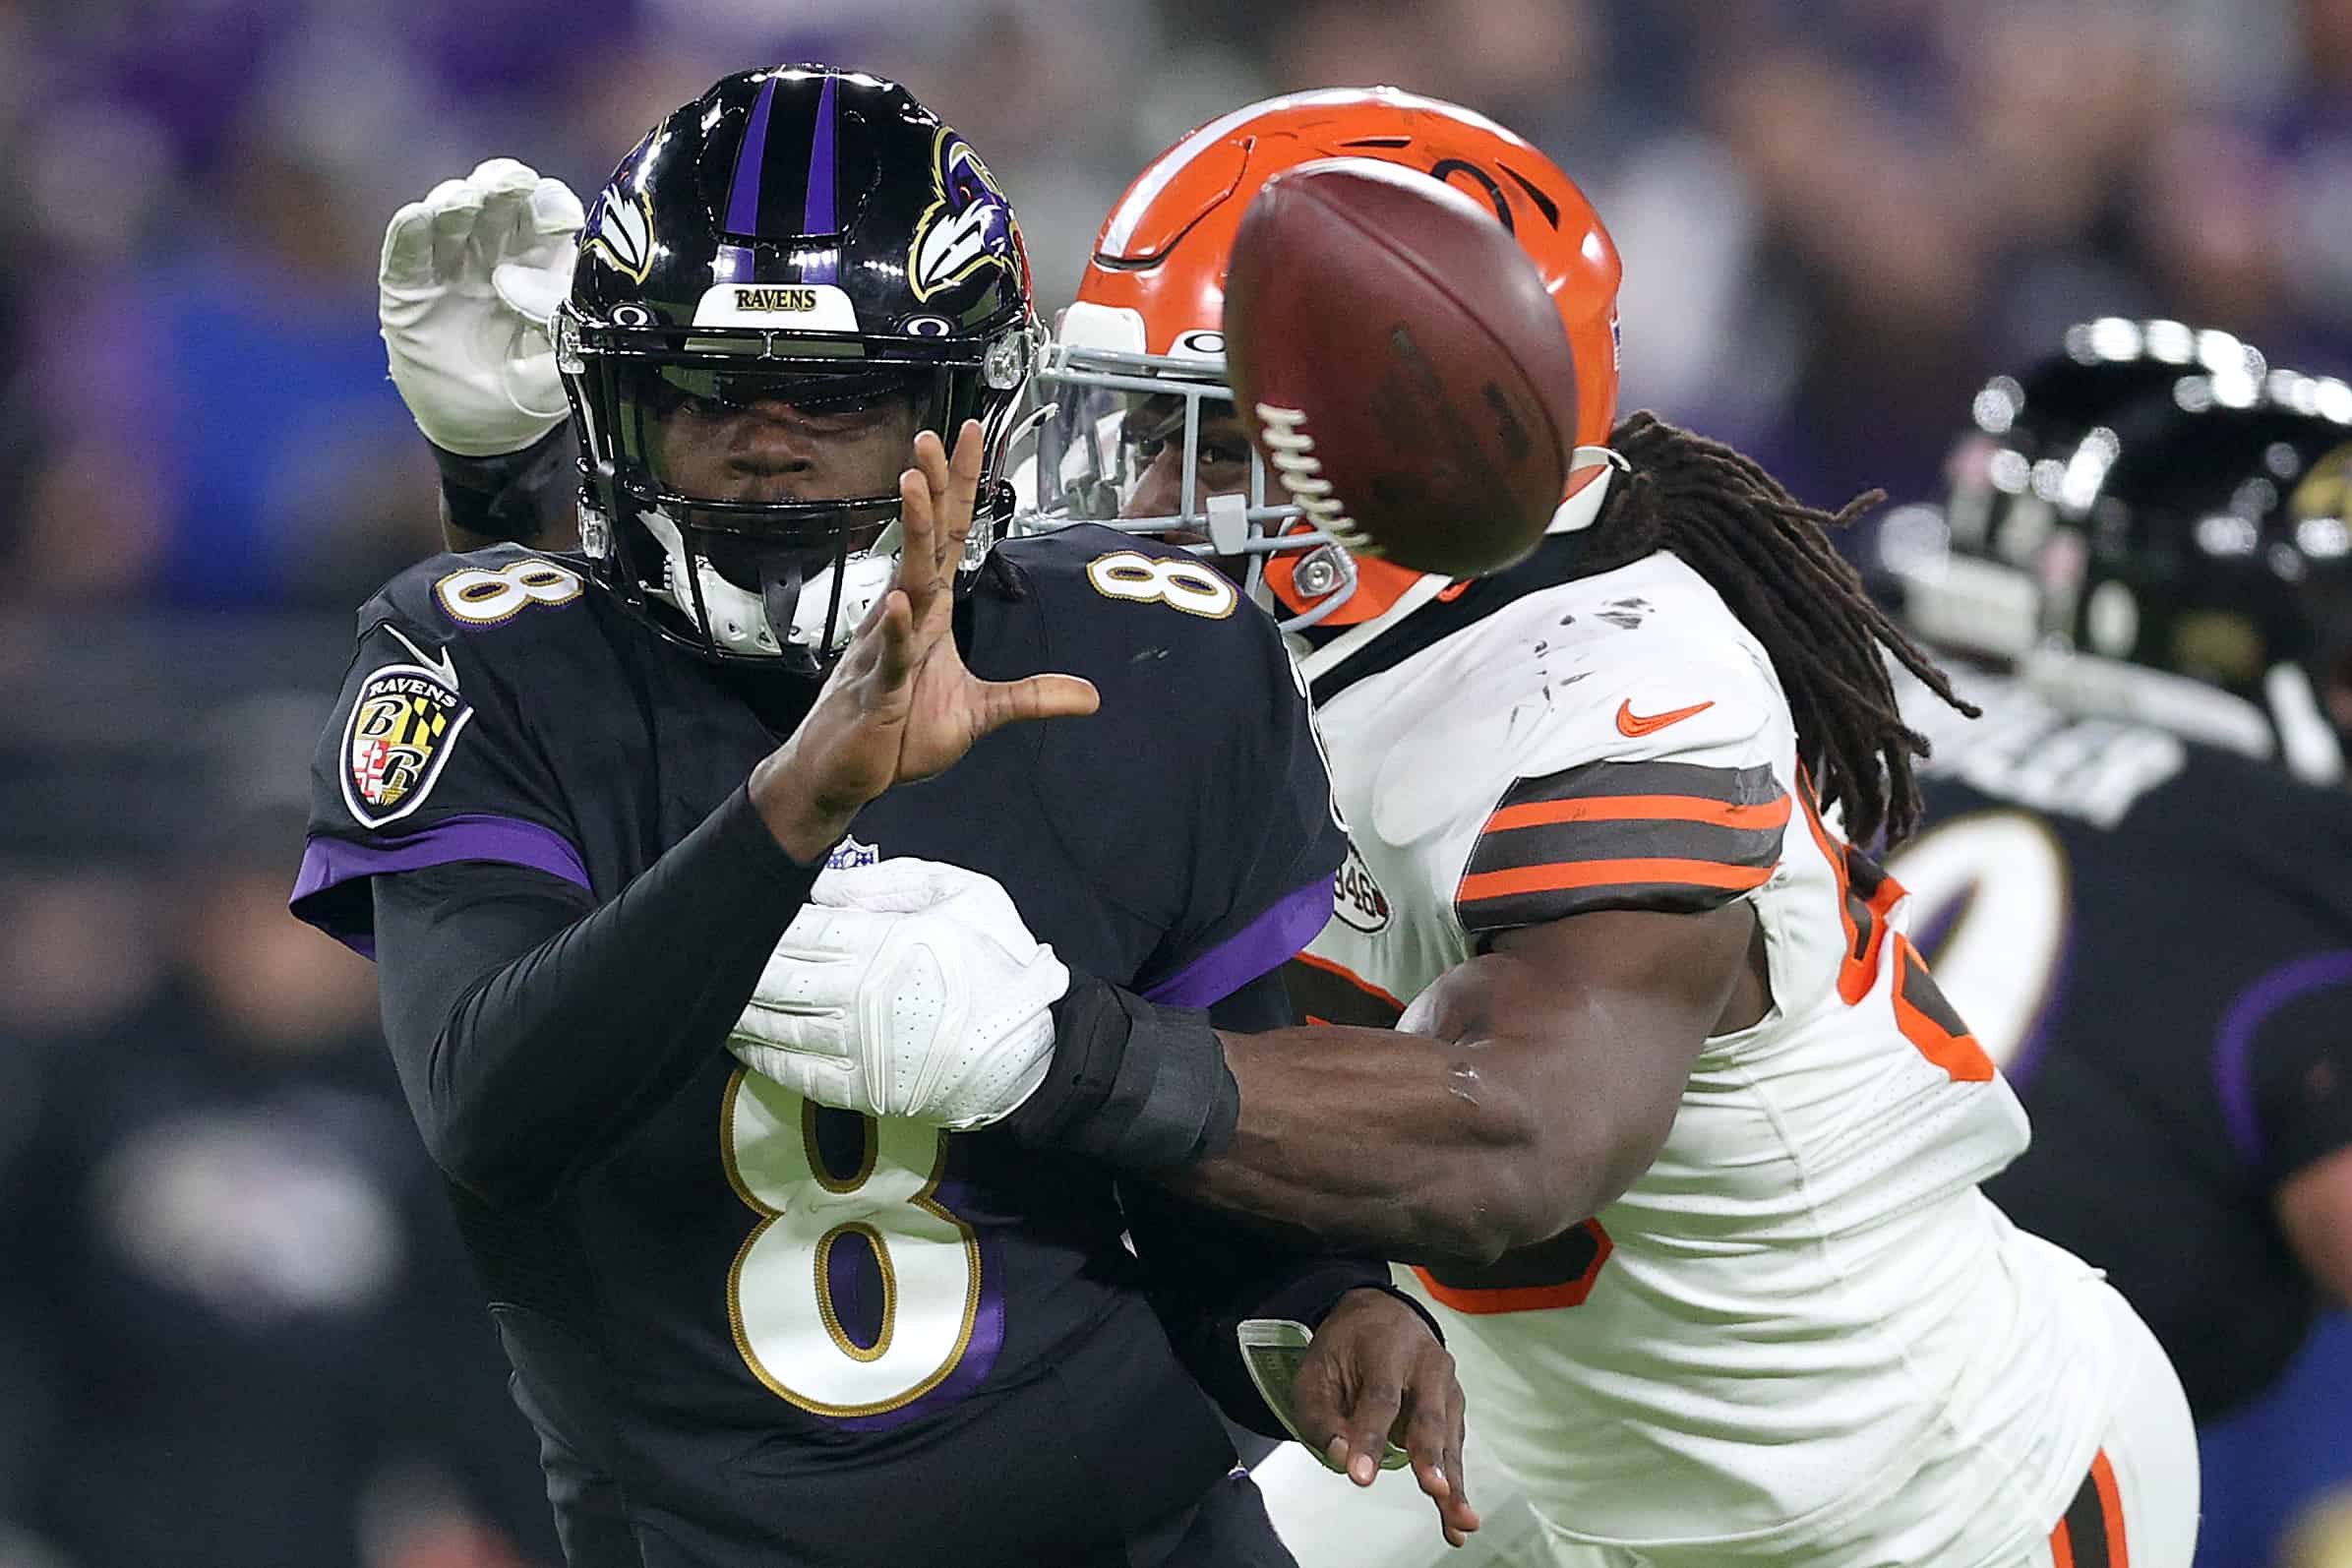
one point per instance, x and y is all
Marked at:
(402, 726)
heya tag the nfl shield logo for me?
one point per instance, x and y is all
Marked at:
(850, 852)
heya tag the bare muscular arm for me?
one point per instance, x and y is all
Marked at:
(1522, 1091)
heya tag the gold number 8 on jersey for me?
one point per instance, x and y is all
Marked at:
(780, 1293)
(480, 596)
(1178, 582)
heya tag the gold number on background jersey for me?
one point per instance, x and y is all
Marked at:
(2003, 877)
(480, 596)
(779, 1292)
(1179, 582)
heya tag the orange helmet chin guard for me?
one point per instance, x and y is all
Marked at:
(1147, 328)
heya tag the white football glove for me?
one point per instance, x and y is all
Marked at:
(906, 989)
(471, 277)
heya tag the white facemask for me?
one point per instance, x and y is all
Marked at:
(739, 620)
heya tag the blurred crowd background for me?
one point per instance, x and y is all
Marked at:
(233, 1326)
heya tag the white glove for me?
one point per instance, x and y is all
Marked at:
(906, 989)
(471, 277)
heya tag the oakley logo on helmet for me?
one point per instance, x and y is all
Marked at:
(967, 226)
(620, 234)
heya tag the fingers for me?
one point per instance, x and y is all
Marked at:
(554, 209)
(896, 654)
(962, 493)
(1318, 1402)
(406, 264)
(918, 537)
(529, 291)
(902, 884)
(505, 209)
(455, 205)
(1039, 696)
(1379, 1395)
(1433, 1438)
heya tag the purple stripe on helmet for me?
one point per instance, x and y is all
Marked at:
(2233, 1046)
(817, 215)
(1266, 943)
(743, 196)
(329, 862)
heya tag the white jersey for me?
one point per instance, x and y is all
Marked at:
(1803, 1329)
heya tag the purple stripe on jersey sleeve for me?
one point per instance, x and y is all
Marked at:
(327, 862)
(2233, 1046)
(743, 196)
(1270, 940)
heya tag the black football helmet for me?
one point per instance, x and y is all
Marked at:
(2209, 541)
(801, 236)
(1963, 576)
(2150, 524)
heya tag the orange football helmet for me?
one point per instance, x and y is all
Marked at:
(1145, 336)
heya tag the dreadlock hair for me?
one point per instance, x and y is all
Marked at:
(1768, 555)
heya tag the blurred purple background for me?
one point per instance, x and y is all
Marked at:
(1838, 217)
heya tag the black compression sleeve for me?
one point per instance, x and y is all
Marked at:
(2303, 1079)
(529, 495)
(1262, 1004)
(1139, 1084)
(532, 1034)
(1134, 1083)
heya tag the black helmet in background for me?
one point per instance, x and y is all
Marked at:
(1963, 576)
(2150, 524)
(801, 239)
(2209, 542)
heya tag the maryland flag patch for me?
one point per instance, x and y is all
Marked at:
(402, 726)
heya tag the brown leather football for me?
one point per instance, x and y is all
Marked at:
(1400, 366)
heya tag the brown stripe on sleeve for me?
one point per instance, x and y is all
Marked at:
(1669, 836)
(1731, 786)
(1325, 993)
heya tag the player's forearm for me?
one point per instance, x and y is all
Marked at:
(1423, 1148)
(520, 1070)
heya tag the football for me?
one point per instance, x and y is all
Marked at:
(1400, 366)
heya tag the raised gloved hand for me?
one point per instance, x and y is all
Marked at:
(469, 280)
(906, 989)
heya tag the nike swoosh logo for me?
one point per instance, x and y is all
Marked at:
(1630, 723)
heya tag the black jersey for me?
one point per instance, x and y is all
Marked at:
(2154, 940)
(792, 1335)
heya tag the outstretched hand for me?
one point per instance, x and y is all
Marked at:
(900, 705)
(1374, 1371)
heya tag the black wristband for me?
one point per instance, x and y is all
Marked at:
(521, 495)
(1406, 1296)
(1132, 1083)
(1309, 1295)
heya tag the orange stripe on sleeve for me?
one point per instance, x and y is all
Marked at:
(2111, 1511)
(2062, 1547)
(1608, 873)
(1640, 808)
